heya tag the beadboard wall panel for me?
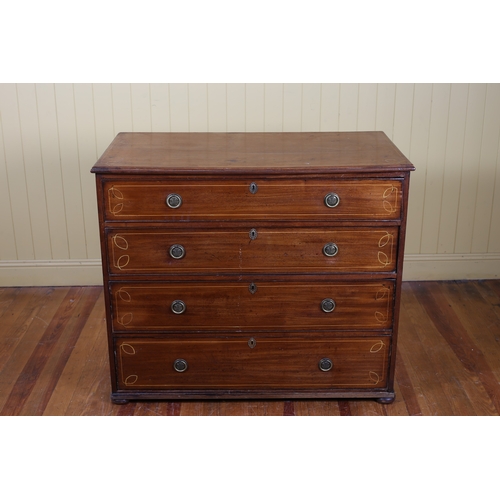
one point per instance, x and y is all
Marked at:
(273, 104)
(471, 158)
(50, 112)
(9, 208)
(87, 151)
(217, 107)
(34, 170)
(16, 177)
(481, 227)
(51, 135)
(450, 195)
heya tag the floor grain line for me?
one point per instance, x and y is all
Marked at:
(75, 329)
(447, 323)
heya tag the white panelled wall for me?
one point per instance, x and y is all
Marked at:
(51, 135)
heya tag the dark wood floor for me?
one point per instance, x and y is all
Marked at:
(53, 357)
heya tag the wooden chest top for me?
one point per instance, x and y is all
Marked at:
(233, 153)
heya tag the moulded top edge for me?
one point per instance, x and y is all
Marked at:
(307, 152)
(261, 170)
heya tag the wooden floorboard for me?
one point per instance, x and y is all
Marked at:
(53, 358)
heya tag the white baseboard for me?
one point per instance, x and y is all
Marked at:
(417, 267)
(424, 267)
(51, 272)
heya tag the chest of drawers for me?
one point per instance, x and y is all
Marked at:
(252, 265)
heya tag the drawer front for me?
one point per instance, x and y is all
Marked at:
(264, 250)
(242, 306)
(270, 363)
(372, 199)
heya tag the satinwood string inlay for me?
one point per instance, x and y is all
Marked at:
(131, 380)
(123, 260)
(124, 319)
(377, 346)
(390, 206)
(383, 258)
(383, 294)
(113, 195)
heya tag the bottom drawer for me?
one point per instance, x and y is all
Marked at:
(246, 363)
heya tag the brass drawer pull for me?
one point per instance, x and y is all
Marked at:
(330, 249)
(325, 364)
(177, 251)
(174, 200)
(180, 365)
(178, 307)
(332, 200)
(327, 305)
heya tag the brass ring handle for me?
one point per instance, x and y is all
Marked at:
(325, 364)
(174, 200)
(178, 307)
(327, 305)
(330, 249)
(332, 200)
(180, 365)
(177, 251)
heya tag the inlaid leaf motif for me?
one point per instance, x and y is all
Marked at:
(126, 319)
(122, 261)
(124, 295)
(113, 195)
(114, 192)
(374, 377)
(120, 242)
(390, 191)
(116, 208)
(377, 346)
(382, 293)
(131, 380)
(386, 239)
(127, 349)
(383, 258)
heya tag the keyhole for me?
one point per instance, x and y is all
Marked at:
(253, 234)
(252, 288)
(252, 343)
(253, 187)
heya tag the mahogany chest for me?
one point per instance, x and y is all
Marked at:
(252, 265)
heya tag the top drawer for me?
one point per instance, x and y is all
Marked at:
(238, 199)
